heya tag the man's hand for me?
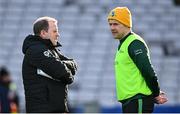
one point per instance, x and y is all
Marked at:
(72, 65)
(161, 99)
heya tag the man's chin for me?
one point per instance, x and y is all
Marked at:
(54, 43)
(116, 38)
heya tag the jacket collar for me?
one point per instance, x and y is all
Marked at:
(125, 37)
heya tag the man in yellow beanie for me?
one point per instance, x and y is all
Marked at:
(136, 82)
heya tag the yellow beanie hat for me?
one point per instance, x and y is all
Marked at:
(121, 14)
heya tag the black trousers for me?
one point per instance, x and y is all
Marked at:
(141, 105)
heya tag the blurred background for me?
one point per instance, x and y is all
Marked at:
(86, 37)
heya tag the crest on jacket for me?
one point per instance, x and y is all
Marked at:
(48, 53)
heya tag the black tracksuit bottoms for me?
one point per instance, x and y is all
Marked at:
(141, 105)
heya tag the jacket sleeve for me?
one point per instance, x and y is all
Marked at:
(138, 53)
(70, 63)
(41, 58)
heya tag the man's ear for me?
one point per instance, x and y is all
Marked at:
(43, 33)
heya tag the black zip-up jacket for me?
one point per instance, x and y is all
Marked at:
(46, 74)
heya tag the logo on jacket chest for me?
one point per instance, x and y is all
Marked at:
(49, 53)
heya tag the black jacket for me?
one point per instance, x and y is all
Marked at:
(46, 74)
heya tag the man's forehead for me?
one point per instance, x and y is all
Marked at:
(52, 22)
(113, 21)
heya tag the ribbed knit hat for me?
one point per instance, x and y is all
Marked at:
(121, 14)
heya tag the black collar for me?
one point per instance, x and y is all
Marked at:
(123, 39)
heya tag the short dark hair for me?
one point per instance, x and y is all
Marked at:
(42, 24)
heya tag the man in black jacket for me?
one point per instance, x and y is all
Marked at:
(46, 72)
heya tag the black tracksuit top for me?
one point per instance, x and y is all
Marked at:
(45, 76)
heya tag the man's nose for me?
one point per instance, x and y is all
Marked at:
(112, 27)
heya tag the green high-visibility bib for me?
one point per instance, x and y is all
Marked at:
(129, 80)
